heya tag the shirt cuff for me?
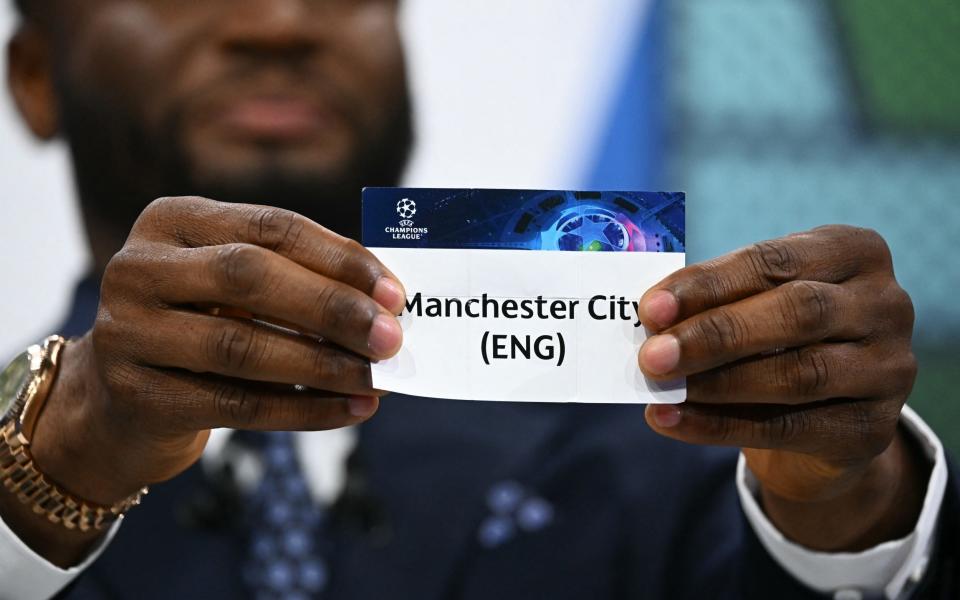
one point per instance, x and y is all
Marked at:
(888, 568)
(25, 575)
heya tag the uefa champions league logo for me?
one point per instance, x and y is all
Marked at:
(406, 208)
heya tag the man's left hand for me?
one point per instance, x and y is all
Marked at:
(798, 351)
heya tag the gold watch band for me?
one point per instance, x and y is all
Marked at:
(20, 474)
(21, 477)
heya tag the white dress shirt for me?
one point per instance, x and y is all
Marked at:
(890, 568)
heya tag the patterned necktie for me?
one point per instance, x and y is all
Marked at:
(283, 561)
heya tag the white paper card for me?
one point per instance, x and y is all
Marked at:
(518, 324)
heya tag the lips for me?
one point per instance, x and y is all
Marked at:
(274, 118)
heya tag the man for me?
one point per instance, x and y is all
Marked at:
(797, 351)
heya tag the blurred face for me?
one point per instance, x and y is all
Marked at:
(287, 102)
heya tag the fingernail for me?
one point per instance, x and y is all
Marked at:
(389, 294)
(665, 415)
(385, 336)
(362, 406)
(660, 308)
(660, 354)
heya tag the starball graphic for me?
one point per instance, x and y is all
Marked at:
(406, 208)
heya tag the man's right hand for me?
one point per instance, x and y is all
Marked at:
(136, 397)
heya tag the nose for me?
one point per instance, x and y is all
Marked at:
(274, 29)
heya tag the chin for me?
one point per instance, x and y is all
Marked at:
(320, 177)
(245, 160)
(326, 193)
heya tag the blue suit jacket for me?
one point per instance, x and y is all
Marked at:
(428, 513)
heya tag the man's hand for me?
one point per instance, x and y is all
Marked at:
(798, 351)
(209, 316)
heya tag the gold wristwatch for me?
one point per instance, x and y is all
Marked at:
(24, 387)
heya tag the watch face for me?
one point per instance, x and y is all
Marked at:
(12, 380)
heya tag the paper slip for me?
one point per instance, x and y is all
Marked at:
(524, 295)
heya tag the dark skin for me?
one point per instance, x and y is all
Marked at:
(797, 350)
(175, 353)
